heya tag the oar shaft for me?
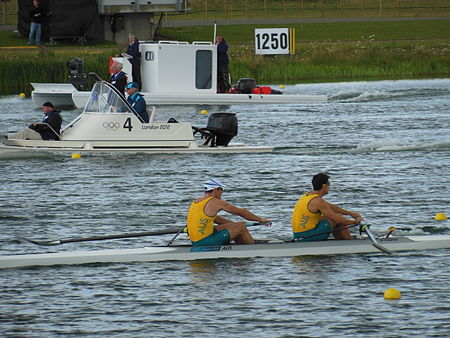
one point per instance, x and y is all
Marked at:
(375, 243)
(137, 234)
(106, 237)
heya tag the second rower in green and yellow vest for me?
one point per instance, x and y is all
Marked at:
(315, 218)
(206, 227)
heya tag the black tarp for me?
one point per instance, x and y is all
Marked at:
(65, 18)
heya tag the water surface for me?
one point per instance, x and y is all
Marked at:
(386, 146)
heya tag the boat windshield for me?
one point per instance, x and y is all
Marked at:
(104, 99)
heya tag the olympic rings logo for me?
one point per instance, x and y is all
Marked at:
(111, 125)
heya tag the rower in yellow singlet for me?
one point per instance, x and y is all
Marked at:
(206, 228)
(314, 218)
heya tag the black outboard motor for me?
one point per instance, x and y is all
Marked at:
(245, 85)
(224, 126)
(76, 76)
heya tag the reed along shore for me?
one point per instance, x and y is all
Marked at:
(339, 55)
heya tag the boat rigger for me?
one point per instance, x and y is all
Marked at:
(269, 248)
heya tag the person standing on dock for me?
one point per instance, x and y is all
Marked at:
(48, 129)
(202, 216)
(223, 83)
(315, 218)
(135, 60)
(36, 15)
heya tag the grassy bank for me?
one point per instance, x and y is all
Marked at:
(322, 32)
(21, 67)
(337, 51)
(21, 64)
(325, 52)
(234, 9)
(345, 61)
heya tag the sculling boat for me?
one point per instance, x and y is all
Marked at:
(109, 123)
(269, 248)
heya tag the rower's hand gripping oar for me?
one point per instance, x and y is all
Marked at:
(99, 238)
(365, 228)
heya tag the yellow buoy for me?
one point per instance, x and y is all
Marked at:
(76, 156)
(440, 216)
(392, 293)
(281, 86)
(204, 112)
(22, 95)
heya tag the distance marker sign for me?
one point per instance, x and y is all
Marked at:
(274, 41)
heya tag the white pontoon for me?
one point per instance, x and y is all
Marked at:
(275, 248)
(109, 124)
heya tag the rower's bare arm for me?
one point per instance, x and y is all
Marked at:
(221, 220)
(326, 210)
(244, 213)
(337, 209)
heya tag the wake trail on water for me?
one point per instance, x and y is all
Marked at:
(384, 95)
(396, 145)
(402, 145)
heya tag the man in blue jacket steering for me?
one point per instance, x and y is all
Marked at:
(137, 101)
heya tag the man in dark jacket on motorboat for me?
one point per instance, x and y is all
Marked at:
(118, 77)
(137, 101)
(48, 129)
(223, 85)
(135, 59)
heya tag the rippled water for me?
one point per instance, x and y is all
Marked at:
(386, 146)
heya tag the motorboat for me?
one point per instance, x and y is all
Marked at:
(177, 73)
(60, 94)
(109, 124)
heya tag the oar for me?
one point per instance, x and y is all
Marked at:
(329, 232)
(99, 238)
(248, 224)
(365, 228)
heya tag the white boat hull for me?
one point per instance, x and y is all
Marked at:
(188, 253)
(80, 99)
(86, 148)
(59, 94)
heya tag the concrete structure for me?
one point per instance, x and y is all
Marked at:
(120, 17)
(83, 20)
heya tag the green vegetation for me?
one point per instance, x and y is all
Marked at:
(20, 67)
(325, 52)
(337, 51)
(345, 61)
(322, 32)
(239, 9)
